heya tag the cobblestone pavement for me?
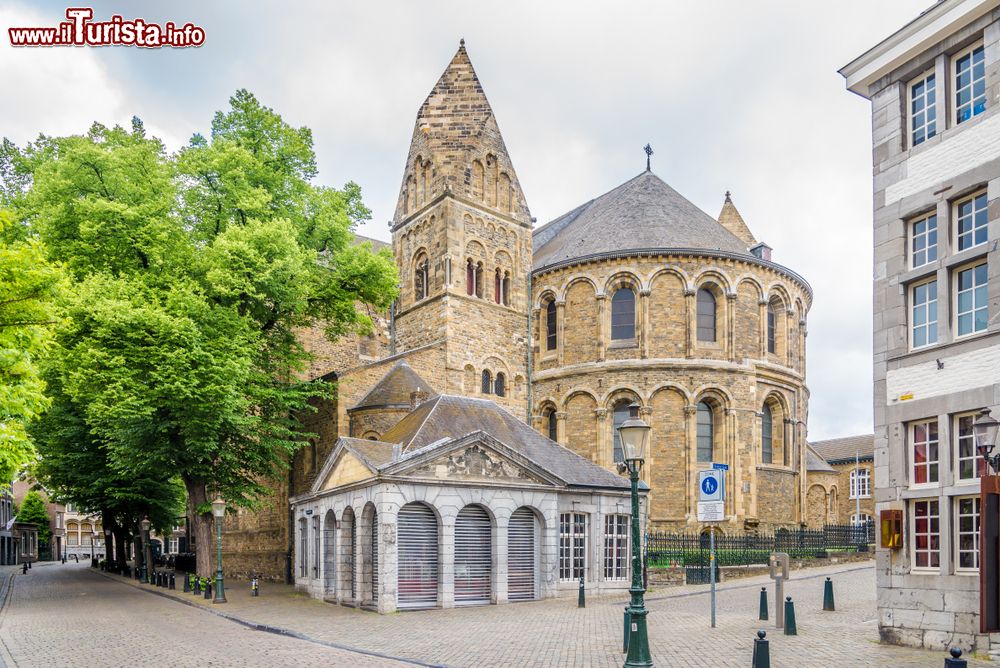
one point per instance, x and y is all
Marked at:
(542, 633)
(68, 615)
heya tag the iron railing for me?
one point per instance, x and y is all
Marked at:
(692, 548)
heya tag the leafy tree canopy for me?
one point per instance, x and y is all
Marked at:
(33, 510)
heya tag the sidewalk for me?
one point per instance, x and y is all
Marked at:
(554, 632)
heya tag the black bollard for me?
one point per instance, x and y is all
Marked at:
(197, 586)
(762, 615)
(171, 584)
(581, 601)
(24, 568)
(790, 629)
(208, 591)
(761, 651)
(187, 583)
(828, 595)
(956, 660)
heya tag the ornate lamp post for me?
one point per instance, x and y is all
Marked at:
(985, 430)
(634, 434)
(144, 572)
(219, 511)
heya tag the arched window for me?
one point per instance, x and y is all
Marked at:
(421, 278)
(550, 325)
(477, 180)
(620, 415)
(623, 314)
(705, 432)
(706, 315)
(551, 424)
(500, 385)
(766, 434)
(473, 278)
(487, 386)
(772, 321)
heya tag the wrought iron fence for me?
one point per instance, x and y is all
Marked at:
(692, 548)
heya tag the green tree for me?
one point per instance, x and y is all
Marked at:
(29, 285)
(192, 274)
(33, 510)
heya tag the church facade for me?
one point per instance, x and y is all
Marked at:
(636, 296)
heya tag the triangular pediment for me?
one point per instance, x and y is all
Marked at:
(346, 465)
(477, 457)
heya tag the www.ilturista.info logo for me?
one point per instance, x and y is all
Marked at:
(79, 30)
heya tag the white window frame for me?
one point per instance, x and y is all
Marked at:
(956, 293)
(958, 533)
(929, 533)
(860, 484)
(926, 234)
(933, 106)
(930, 306)
(956, 118)
(970, 439)
(985, 226)
(930, 464)
(569, 548)
(860, 520)
(616, 544)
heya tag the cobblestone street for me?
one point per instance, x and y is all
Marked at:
(70, 615)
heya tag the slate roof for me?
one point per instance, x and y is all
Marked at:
(376, 244)
(395, 387)
(449, 417)
(816, 463)
(642, 213)
(837, 450)
(375, 453)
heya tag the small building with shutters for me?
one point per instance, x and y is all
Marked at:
(460, 503)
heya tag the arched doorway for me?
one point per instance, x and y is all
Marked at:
(522, 555)
(329, 554)
(473, 557)
(417, 545)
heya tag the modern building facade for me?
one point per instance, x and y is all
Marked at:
(933, 87)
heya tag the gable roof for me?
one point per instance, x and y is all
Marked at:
(448, 417)
(731, 219)
(642, 213)
(837, 450)
(394, 388)
(815, 463)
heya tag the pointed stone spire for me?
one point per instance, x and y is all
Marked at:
(457, 148)
(731, 219)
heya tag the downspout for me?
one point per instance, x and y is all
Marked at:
(527, 417)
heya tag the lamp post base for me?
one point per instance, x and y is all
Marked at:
(220, 590)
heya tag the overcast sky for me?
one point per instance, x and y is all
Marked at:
(732, 95)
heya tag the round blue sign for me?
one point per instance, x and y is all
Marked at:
(709, 485)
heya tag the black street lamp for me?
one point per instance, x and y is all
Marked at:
(144, 572)
(218, 511)
(634, 433)
(985, 430)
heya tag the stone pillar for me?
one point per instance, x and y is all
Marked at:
(691, 311)
(789, 319)
(762, 339)
(388, 560)
(603, 326)
(603, 456)
(646, 412)
(560, 331)
(730, 458)
(500, 561)
(561, 427)
(447, 566)
(644, 333)
(731, 326)
(691, 451)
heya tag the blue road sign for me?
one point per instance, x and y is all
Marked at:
(720, 467)
(708, 486)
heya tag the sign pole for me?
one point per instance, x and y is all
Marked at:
(711, 563)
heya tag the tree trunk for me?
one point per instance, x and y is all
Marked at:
(202, 526)
(121, 545)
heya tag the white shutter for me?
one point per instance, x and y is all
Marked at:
(375, 558)
(521, 556)
(417, 542)
(473, 557)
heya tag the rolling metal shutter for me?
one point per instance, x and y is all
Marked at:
(375, 558)
(473, 557)
(354, 551)
(417, 572)
(521, 556)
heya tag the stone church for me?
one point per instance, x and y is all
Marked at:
(636, 296)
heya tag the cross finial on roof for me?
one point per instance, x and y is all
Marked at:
(649, 152)
(727, 195)
(461, 42)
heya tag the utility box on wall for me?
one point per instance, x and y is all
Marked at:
(891, 529)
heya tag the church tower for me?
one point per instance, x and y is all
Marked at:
(462, 239)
